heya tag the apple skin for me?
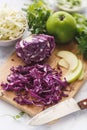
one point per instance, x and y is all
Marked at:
(81, 77)
(72, 76)
(62, 26)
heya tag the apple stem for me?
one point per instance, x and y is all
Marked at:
(61, 17)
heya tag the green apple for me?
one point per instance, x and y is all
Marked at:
(70, 58)
(72, 76)
(62, 25)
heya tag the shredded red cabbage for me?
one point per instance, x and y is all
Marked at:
(36, 84)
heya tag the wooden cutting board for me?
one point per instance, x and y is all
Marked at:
(14, 61)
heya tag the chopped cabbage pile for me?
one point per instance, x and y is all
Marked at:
(38, 85)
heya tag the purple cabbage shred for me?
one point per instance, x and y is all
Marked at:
(36, 85)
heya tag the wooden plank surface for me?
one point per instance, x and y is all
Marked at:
(14, 61)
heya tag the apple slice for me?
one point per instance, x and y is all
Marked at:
(63, 63)
(70, 58)
(81, 76)
(72, 76)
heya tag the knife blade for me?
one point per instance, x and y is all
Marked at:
(57, 111)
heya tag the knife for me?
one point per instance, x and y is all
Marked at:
(57, 111)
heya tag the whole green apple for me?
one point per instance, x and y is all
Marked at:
(62, 25)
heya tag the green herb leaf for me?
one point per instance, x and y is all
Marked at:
(81, 35)
(19, 115)
(37, 15)
(82, 44)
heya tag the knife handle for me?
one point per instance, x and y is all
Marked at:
(83, 104)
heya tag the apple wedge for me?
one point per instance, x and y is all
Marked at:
(72, 76)
(70, 58)
(63, 63)
(81, 75)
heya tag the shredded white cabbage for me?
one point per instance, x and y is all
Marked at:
(12, 23)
